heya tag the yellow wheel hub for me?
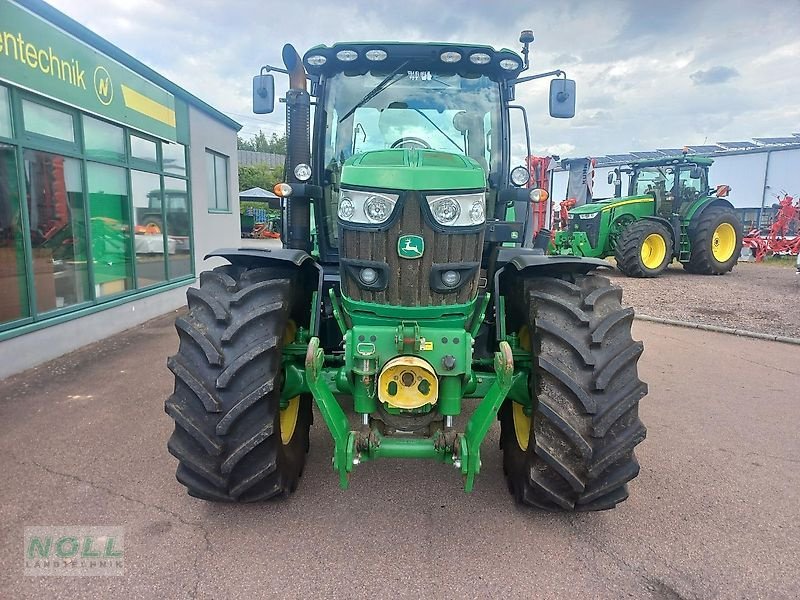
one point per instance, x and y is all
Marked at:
(289, 419)
(522, 425)
(723, 242)
(522, 422)
(654, 251)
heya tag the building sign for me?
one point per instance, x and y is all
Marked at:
(36, 55)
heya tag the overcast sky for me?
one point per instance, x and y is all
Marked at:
(650, 74)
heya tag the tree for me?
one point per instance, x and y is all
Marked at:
(261, 143)
(261, 175)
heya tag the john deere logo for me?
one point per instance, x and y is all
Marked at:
(103, 86)
(410, 246)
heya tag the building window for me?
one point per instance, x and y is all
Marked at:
(5, 113)
(105, 218)
(217, 174)
(110, 226)
(13, 270)
(173, 156)
(103, 141)
(57, 214)
(142, 149)
(150, 233)
(179, 227)
(47, 121)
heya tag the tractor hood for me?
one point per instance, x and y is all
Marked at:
(606, 204)
(411, 169)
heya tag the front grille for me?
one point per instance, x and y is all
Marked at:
(409, 280)
(591, 227)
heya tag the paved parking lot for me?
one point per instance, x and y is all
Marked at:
(712, 515)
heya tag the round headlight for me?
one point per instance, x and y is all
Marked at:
(538, 195)
(377, 209)
(302, 172)
(347, 55)
(376, 54)
(480, 58)
(316, 60)
(368, 276)
(520, 176)
(450, 56)
(476, 212)
(509, 64)
(346, 208)
(451, 278)
(446, 210)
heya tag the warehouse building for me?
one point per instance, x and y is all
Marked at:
(758, 172)
(114, 183)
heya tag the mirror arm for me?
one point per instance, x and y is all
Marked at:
(267, 68)
(556, 73)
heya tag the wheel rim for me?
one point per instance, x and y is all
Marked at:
(654, 251)
(522, 425)
(723, 242)
(289, 419)
(522, 422)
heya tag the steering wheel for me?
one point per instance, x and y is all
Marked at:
(411, 142)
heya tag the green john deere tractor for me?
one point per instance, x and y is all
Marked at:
(669, 213)
(403, 286)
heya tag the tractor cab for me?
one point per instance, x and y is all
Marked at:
(673, 183)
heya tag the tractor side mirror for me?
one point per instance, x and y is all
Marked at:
(263, 94)
(696, 173)
(610, 177)
(562, 98)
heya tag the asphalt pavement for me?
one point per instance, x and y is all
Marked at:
(712, 515)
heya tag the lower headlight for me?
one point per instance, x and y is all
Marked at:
(451, 278)
(368, 276)
(458, 210)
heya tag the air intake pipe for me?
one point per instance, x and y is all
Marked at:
(297, 216)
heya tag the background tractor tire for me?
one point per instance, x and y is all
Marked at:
(716, 241)
(644, 249)
(576, 450)
(226, 404)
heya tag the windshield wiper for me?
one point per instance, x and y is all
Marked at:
(385, 83)
(439, 129)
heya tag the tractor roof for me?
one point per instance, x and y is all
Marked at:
(352, 57)
(681, 159)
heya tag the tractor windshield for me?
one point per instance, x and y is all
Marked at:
(414, 109)
(653, 179)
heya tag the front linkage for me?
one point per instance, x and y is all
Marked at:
(460, 449)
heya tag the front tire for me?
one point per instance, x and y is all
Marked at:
(644, 249)
(716, 242)
(576, 450)
(231, 437)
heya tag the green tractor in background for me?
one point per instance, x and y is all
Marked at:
(669, 213)
(402, 289)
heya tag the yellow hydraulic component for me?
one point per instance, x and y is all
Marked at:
(522, 425)
(723, 242)
(654, 251)
(290, 332)
(408, 382)
(289, 420)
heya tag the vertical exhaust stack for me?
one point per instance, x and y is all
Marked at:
(297, 220)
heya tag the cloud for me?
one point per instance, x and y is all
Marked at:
(714, 75)
(645, 71)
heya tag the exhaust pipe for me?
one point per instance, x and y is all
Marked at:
(297, 216)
